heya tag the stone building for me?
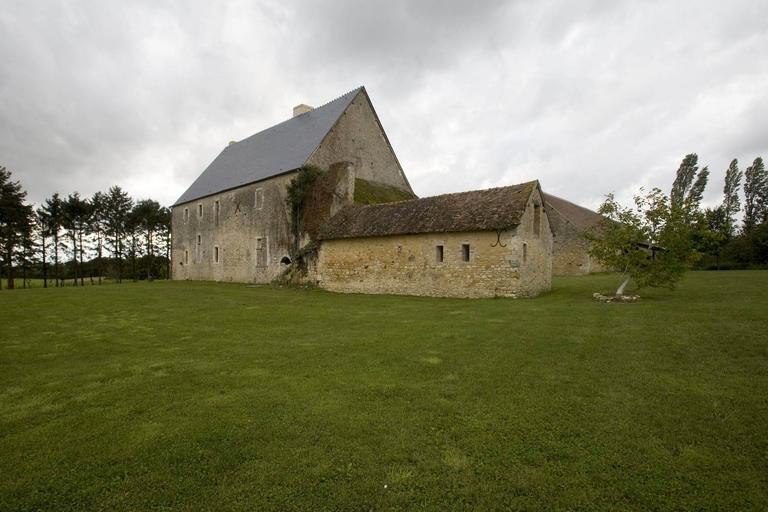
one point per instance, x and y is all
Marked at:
(484, 243)
(373, 235)
(232, 223)
(570, 223)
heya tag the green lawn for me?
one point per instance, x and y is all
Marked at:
(201, 396)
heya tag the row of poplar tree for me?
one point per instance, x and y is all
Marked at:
(729, 245)
(73, 240)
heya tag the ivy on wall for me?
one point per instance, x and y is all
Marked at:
(299, 192)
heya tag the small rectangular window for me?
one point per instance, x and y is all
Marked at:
(536, 220)
(258, 201)
(186, 214)
(200, 210)
(465, 252)
(525, 252)
(261, 252)
(439, 253)
(186, 257)
(215, 253)
(216, 209)
(199, 240)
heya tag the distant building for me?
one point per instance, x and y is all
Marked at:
(373, 235)
(570, 223)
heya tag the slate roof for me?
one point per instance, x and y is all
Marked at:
(480, 210)
(566, 212)
(276, 150)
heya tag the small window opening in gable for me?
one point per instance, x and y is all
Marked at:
(537, 219)
(200, 210)
(215, 253)
(439, 253)
(258, 201)
(465, 252)
(261, 252)
(525, 252)
(186, 214)
(216, 210)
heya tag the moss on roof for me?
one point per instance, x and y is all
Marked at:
(370, 192)
(480, 210)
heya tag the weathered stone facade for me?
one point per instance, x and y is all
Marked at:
(252, 240)
(357, 137)
(513, 263)
(234, 222)
(570, 224)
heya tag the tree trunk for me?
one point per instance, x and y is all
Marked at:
(9, 255)
(82, 281)
(73, 236)
(119, 265)
(623, 285)
(98, 260)
(56, 258)
(45, 268)
(149, 255)
(24, 269)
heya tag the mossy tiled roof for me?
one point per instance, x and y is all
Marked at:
(479, 210)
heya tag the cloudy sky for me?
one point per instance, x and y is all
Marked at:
(588, 97)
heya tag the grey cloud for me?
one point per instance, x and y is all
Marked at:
(589, 97)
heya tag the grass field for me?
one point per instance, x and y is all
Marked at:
(201, 396)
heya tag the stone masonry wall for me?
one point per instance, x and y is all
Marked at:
(571, 250)
(236, 230)
(357, 138)
(407, 264)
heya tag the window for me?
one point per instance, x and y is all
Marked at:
(258, 201)
(525, 252)
(261, 252)
(537, 220)
(200, 210)
(216, 209)
(186, 257)
(186, 214)
(465, 252)
(215, 253)
(439, 253)
(199, 239)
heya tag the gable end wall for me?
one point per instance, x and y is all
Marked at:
(357, 138)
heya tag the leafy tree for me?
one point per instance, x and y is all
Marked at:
(53, 218)
(16, 220)
(731, 204)
(26, 257)
(688, 187)
(755, 195)
(649, 242)
(97, 227)
(117, 206)
(133, 231)
(147, 217)
(41, 218)
(77, 213)
(164, 230)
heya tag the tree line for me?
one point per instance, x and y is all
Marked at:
(657, 238)
(68, 240)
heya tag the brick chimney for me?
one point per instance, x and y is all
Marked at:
(301, 109)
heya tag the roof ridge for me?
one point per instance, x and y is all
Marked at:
(292, 118)
(451, 194)
(356, 89)
(569, 202)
